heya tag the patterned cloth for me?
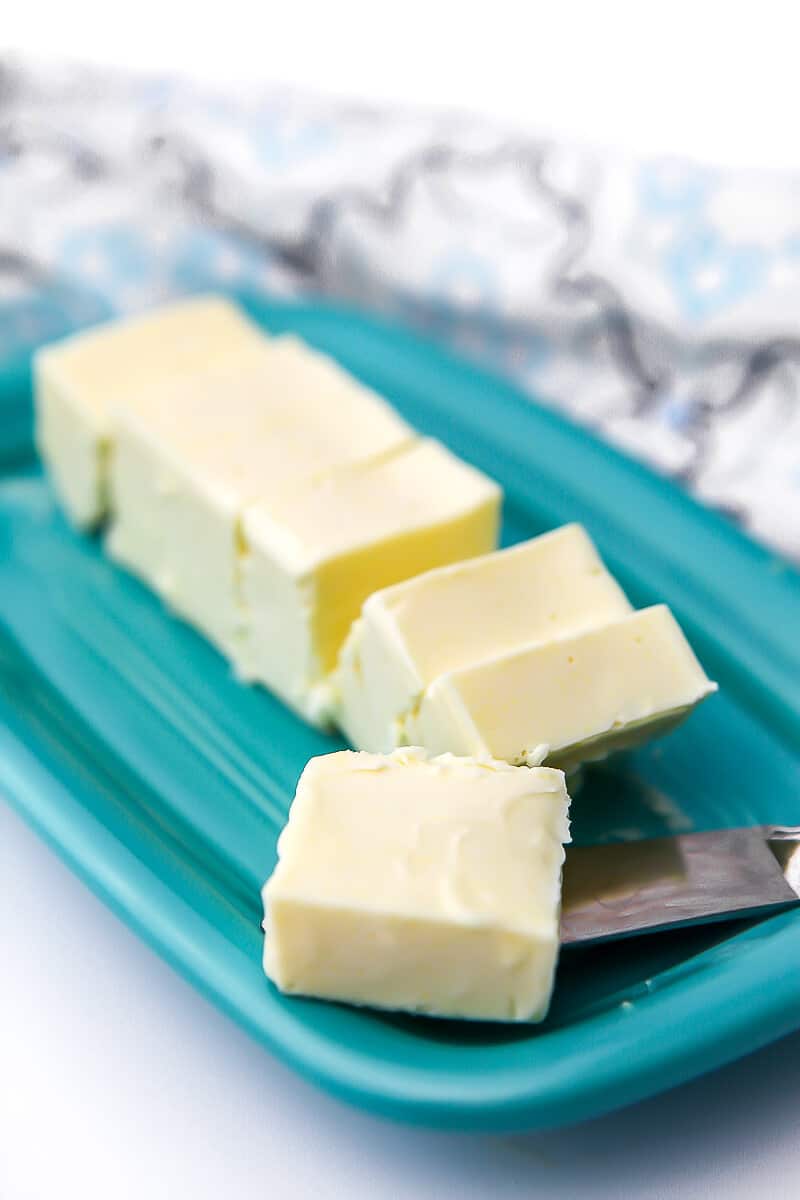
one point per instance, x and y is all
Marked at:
(657, 301)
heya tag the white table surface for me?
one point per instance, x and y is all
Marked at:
(117, 1081)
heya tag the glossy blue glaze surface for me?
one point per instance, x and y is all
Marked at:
(126, 742)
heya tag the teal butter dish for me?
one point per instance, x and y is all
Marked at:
(126, 742)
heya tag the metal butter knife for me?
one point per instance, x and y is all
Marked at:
(628, 888)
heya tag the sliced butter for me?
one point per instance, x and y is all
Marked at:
(583, 696)
(460, 615)
(431, 886)
(79, 381)
(311, 559)
(187, 462)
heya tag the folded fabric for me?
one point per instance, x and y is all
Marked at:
(655, 300)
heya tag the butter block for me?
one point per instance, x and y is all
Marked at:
(310, 560)
(188, 461)
(80, 380)
(456, 616)
(427, 885)
(582, 696)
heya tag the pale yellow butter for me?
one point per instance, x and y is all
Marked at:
(310, 560)
(79, 382)
(461, 615)
(187, 462)
(268, 496)
(581, 696)
(430, 886)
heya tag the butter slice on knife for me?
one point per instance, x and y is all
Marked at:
(426, 885)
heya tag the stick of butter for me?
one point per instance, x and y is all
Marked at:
(427, 885)
(460, 615)
(582, 696)
(77, 383)
(189, 458)
(310, 559)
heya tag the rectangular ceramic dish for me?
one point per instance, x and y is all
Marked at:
(163, 782)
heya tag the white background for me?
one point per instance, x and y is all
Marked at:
(712, 78)
(116, 1080)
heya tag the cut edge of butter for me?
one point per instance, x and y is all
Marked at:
(459, 615)
(380, 521)
(538, 690)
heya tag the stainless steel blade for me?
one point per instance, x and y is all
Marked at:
(632, 888)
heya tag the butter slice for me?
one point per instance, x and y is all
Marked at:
(79, 381)
(583, 696)
(189, 459)
(460, 615)
(311, 559)
(431, 886)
